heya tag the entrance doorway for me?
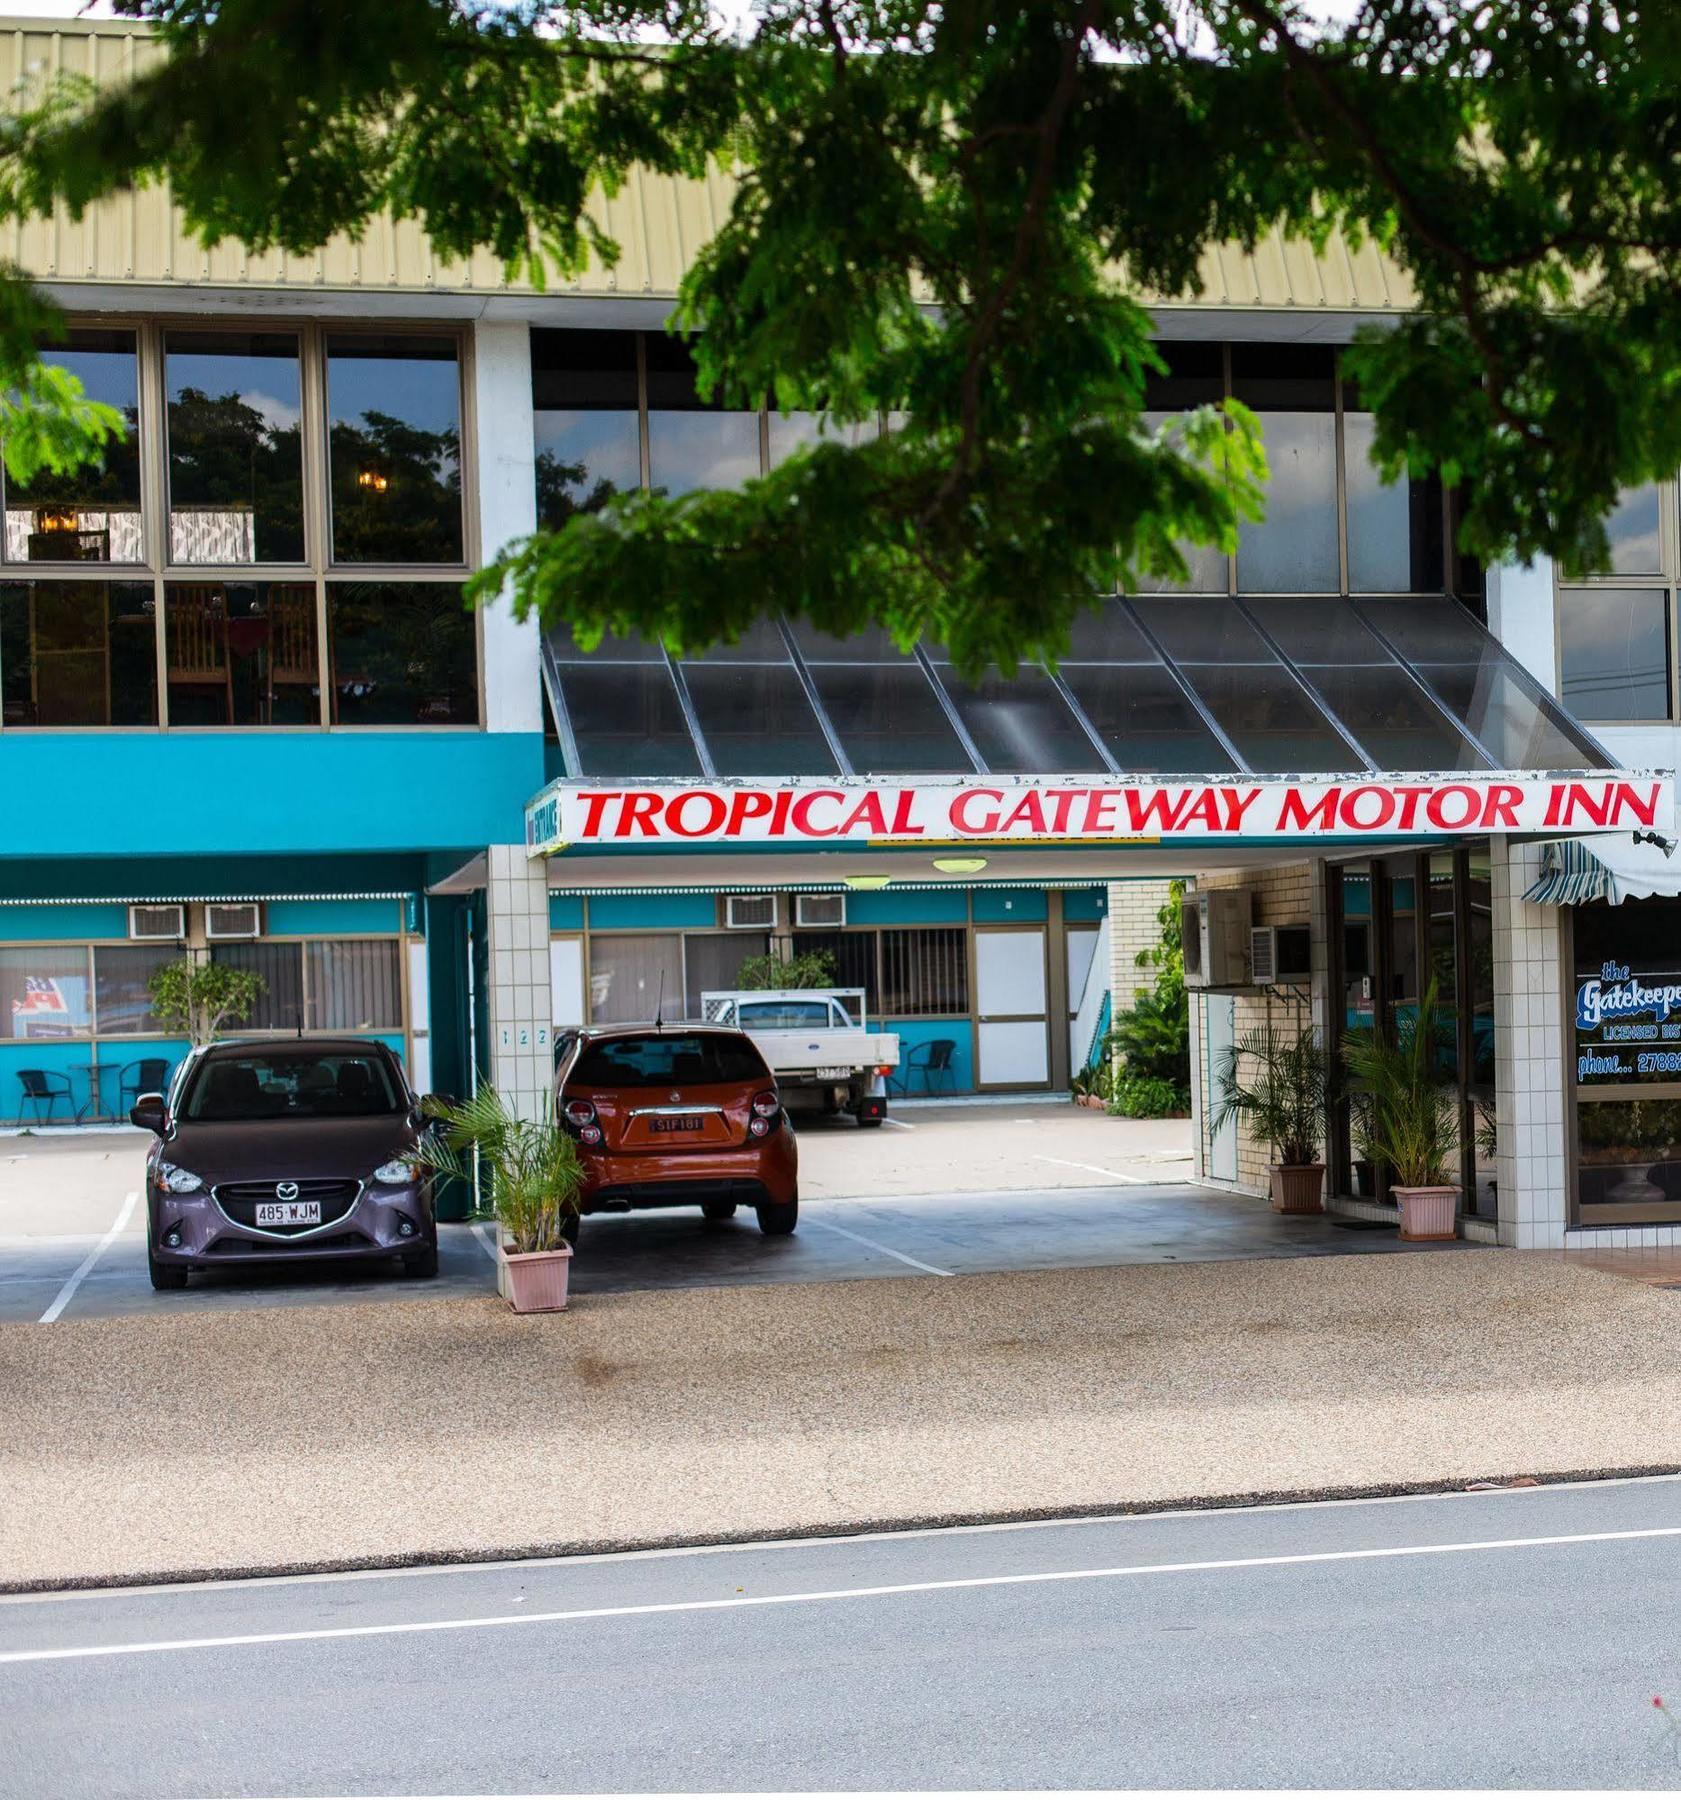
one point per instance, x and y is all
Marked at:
(1012, 1006)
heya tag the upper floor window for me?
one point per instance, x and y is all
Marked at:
(586, 399)
(1616, 630)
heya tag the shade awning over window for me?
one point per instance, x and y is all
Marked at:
(1575, 871)
(1167, 685)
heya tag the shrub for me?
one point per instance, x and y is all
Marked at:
(532, 1164)
(1152, 1039)
(199, 998)
(804, 969)
(1148, 1097)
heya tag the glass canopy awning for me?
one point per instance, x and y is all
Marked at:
(1159, 685)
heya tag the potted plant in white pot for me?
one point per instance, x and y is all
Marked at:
(534, 1176)
(1407, 1119)
(1275, 1083)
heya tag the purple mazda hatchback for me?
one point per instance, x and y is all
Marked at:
(285, 1150)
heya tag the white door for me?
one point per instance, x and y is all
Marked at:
(1013, 1041)
(1219, 1028)
(1080, 942)
(566, 980)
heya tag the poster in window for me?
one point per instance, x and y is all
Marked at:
(1628, 1024)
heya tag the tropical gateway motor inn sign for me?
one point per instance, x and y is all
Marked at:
(822, 813)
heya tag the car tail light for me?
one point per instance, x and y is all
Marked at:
(580, 1115)
(765, 1104)
(885, 1069)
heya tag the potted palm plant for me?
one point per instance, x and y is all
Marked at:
(1276, 1084)
(534, 1176)
(1407, 1120)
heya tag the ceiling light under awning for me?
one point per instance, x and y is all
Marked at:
(960, 865)
(867, 884)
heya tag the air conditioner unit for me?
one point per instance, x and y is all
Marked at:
(232, 919)
(1280, 955)
(750, 912)
(1214, 928)
(157, 924)
(820, 909)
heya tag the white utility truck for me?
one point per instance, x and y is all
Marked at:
(817, 1043)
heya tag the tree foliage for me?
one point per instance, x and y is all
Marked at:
(956, 211)
(799, 969)
(200, 997)
(1152, 1038)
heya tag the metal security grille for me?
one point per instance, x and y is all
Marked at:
(924, 972)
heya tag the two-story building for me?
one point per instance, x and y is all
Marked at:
(244, 712)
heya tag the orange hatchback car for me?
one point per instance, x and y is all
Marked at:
(678, 1116)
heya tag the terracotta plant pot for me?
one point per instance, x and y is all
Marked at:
(1427, 1214)
(537, 1280)
(1298, 1187)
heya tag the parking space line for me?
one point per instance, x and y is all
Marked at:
(66, 1292)
(898, 1124)
(486, 1243)
(1093, 1169)
(859, 1238)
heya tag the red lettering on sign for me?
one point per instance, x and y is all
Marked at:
(903, 825)
(1029, 810)
(1646, 811)
(640, 811)
(1368, 817)
(960, 819)
(715, 811)
(1297, 815)
(1500, 806)
(779, 814)
(594, 806)
(1409, 797)
(1237, 805)
(801, 814)
(1205, 809)
(1062, 799)
(867, 813)
(1100, 811)
(1466, 800)
(1555, 799)
(748, 803)
(1160, 810)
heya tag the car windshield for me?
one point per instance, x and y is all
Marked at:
(658, 1061)
(292, 1083)
(773, 1015)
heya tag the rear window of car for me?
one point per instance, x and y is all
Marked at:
(784, 1015)
(282, 1084)
(652, 1061)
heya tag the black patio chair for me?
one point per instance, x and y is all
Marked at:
(932, 1061)
(43, 1086)
(146, 1075)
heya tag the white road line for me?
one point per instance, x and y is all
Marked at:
(486, 1242)
(1093, 1169)
(859, 1238)
(66, 1292)
(898, 1124)
(654, 1609)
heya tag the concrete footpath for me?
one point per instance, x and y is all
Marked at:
(304, 1437)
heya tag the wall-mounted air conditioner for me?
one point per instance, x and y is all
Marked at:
(819, 910)
(750, 912)
(232, 919)
(1214, 926)
(157, 924)
(1280, 955)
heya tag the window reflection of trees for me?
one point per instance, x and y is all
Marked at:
(235, 480)
(396, 491)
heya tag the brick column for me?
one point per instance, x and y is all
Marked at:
(1529, 1076)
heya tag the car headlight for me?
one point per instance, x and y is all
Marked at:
(396, 1173)
(175, 1180)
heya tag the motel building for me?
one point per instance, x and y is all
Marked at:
(243, 712)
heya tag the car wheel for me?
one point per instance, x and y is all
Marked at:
(569, 1231)
(867, 1124)
(718, 1210)
(165, 1276)
(422, 1265)
(779, 1221)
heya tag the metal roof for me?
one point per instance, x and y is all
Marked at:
(659, 223)
(1156, 685)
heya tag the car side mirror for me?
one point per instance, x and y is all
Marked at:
(432, 1106)
(150, 1113)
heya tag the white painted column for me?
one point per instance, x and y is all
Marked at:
(1520, 614)
(521, 1028)
(507, 491)
(1531, 1165)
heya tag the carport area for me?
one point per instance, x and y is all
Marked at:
(942, 1190)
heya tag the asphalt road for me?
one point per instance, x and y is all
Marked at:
(1509, 1639)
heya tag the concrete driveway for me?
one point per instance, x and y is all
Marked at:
(945, 1190)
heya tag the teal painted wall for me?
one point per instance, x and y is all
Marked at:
(924, 1031)
(70, 1059)
(337, 918)
(933, 906)
(149, 794)
(1009, 906)
(1084, 905)
(645, 912)
(566, 912)
(23, 923)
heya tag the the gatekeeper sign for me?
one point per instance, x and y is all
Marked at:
(819, 814)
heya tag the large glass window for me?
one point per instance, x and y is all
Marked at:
(924, 972)
(403, 653)
(622, 708)
(122, 998)
(1195, 376)
(1294, 549)
(753, 710)
(78, 653)
(242, 653)
(1635, 532)
(589, 435)
(91, 514)
(395, 448)
(355, 984)
(881, 704)
(692, 444)
(235, 447)
(1020, 723)
(854, 957)
(634, 975)
(45, 992)
(1614, 651)
(712, 962)
(280, 968)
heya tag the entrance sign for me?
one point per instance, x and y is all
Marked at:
(1070, 809)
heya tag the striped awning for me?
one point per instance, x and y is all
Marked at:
(1613, 869)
